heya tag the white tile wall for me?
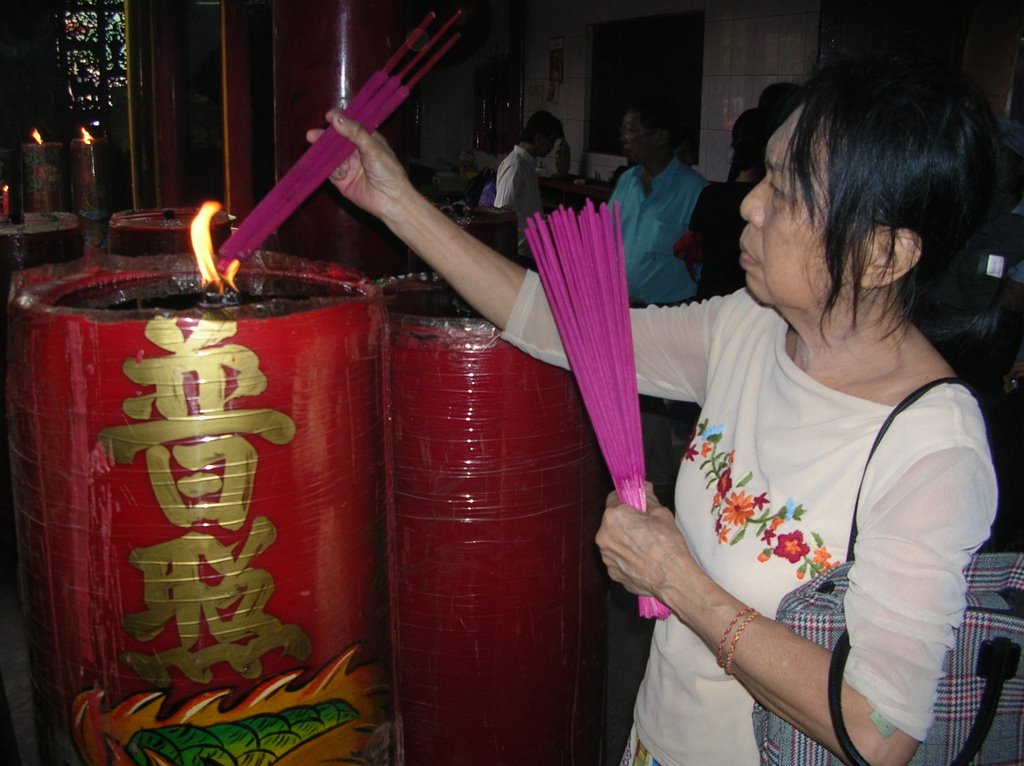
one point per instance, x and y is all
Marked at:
(748, 44)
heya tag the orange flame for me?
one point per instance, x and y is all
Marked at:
(202, 243)
(36, 135)
(86, 136)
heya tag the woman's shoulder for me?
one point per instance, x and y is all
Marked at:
(720, 314)
(739, 309)
(945, 420)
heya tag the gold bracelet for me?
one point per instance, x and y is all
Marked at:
(736, 639)
(725, 636)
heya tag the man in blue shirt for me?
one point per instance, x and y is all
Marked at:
(656, 197)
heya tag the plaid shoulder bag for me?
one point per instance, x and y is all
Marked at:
(980, 707)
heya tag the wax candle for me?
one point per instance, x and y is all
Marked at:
(42, 165)
(89, 188)
(5, 203)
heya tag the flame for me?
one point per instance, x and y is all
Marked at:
(202, 243)
(36, 135)
(86, 136)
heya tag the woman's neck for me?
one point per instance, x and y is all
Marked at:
(874, 359)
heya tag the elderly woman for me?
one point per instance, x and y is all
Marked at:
(874, 181)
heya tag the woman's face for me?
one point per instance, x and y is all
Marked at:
(781, 250)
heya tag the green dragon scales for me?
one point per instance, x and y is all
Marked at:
(257, 741)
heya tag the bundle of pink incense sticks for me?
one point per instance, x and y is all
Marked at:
(582, 268)
(381, 95)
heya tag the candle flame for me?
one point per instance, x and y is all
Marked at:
(86, 136)
(202, 243)
(36, 135)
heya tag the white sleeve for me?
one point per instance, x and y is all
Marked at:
(907, 589)
(505, 195)
(670, 344)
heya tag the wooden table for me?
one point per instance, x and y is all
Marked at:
(572, 192)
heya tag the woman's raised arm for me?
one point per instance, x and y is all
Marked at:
(374, 179)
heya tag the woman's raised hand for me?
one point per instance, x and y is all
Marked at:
(372, 177)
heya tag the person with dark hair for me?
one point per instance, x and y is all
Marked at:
(874, 183)
(717, 220)
(978, 308)
(518, 188)
(655, 196)
(774, 100)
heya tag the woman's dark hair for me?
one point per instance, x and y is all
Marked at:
(887, 143)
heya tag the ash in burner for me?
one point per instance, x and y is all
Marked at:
(181, 294)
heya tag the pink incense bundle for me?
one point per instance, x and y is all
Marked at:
(583, 271)
(381, 95)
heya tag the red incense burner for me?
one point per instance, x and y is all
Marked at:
(498, 592)
(161, 232)
(200, 496)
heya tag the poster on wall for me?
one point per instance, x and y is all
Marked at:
(534, 98)
(556, 60)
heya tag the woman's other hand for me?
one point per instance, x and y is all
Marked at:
(372, 177)
(643, 550)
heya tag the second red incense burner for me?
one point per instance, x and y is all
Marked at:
(498, 593)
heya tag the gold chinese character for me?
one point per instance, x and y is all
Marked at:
(193, 386)
(229, 611)
(202, 468)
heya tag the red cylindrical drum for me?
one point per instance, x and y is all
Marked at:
(495, 228)
(498, 491)
(200, 496)
(161, 232)
(39, 239)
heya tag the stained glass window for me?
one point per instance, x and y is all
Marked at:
(92, 53)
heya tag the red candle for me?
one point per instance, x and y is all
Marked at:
(42, 165)
(89, 188)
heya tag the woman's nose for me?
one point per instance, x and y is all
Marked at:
(752, 206)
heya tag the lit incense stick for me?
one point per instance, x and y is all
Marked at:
(375, 102)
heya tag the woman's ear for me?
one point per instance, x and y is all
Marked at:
(894, 252)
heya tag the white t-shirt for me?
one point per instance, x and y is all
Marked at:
(765, 499)
(518, 189)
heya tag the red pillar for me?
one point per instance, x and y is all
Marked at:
(324, 50)
(170, 100)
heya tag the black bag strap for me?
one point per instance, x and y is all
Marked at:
(997, 659)
(912, 397)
